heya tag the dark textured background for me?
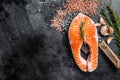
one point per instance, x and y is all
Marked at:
(31, 50)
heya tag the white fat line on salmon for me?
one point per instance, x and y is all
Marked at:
(96, 37)
(80, 15)
(82, 59)
(89, 63)
(77, 18)
(93, 22)
(70, 42)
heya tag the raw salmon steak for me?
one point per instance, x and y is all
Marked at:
(76, 42)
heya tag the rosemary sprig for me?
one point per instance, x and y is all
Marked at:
(114, 17)
(82, 30)
(114, 21)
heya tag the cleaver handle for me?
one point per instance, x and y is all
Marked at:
(109, 53)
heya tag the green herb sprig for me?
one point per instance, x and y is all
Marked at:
(82, 30)
(114, 21)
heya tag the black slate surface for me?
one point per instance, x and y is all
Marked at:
(31, 50)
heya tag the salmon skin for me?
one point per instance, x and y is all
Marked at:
(76, 42)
